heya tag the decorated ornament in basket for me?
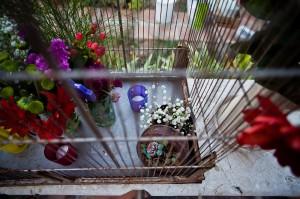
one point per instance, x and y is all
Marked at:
(165, 152)
(170, 119)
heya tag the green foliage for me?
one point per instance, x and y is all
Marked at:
(6, 63)
(200, 15)
(6, 92)
(23, 102)
(243, 61)
(201, 59)
(47, 84)
(9, 66)
(35, 107)
(62, 21)
(135, 4)
(28, 104)
(3, 56)
(102, 3)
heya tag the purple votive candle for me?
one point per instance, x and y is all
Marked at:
(138, 97)
(64, 153)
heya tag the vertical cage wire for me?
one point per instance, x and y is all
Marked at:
(197, 61)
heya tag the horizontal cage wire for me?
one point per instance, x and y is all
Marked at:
(143, 91)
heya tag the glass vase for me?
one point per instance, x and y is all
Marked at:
(103, 112)
(72, 124)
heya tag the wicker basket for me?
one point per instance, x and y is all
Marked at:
(178, 147)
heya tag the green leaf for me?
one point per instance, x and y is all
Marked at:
(9, 66)
(35, 107)
(3, 56)
(47, 84)
(31, 68)
(6, 92)
(159, 152)
(135, 4)
(23, 103)
(243, 61)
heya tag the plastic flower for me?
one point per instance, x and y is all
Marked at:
(59, 51)
(270, 129)
(14, 118)
(102, 36)
(79, 36)
(61, 108)
(153, 149)
(101, 86)
(89, 44)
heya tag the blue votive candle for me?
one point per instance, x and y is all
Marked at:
(138, 97)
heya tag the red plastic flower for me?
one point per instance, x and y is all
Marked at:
(102, 36)
(89, 44)
(270, 129)
(79, 36)
(14, 118)
(94, 45)
(61, 108)
(100, 51)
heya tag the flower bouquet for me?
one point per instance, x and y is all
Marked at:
(175, 115)
(86, 52)
(28, 108)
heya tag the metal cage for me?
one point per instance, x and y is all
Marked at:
(191, 48)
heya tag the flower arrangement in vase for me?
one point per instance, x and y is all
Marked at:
(86, 52)
(31, 107)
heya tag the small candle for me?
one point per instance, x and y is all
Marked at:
(62, 151)
(64, 154)
(137, 98)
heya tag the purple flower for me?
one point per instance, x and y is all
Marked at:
(31, 58)
(59, 51)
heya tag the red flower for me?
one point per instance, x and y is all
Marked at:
(15, 118)
(61, 108)
(89, 44)
(79, 36)
(59, 102)
(100, 51)
(102, 36)
(94, 46)
(270, 129)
